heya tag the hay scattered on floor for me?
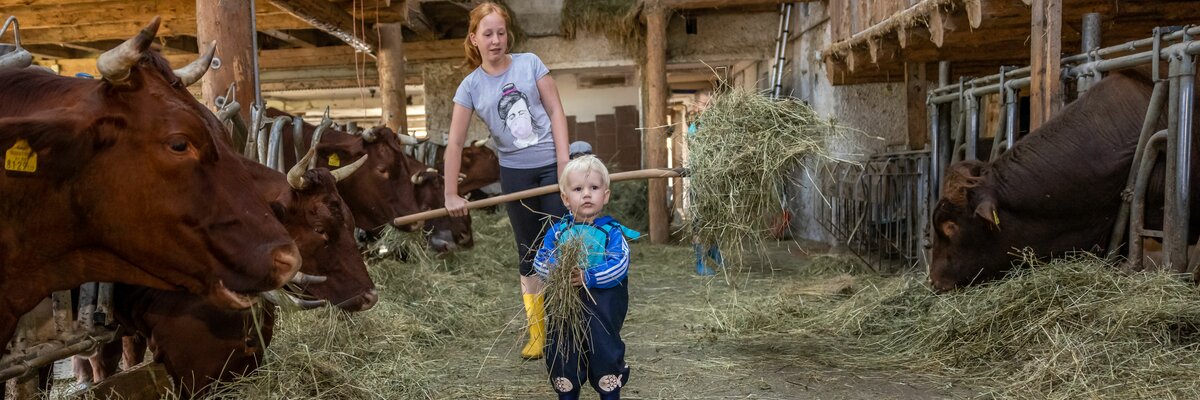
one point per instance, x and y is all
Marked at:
(1072, 328)
(744, 146)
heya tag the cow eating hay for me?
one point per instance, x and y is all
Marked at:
(744, 146)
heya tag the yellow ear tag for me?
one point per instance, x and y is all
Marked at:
(995, 218)
(334, 160)
(20, 157)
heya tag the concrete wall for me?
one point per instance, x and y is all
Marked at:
(874, 114)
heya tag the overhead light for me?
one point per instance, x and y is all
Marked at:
(420, 134)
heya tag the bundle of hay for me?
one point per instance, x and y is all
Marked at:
(564, 306)
(617, 20)
(744, 146)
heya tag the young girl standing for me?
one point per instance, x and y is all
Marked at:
(516, 97)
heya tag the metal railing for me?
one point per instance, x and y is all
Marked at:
(879, 208)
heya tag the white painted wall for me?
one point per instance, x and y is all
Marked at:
(585, 103)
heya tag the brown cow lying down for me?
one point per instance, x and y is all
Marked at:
(1058, 190)
(200, 344)
(124, 179)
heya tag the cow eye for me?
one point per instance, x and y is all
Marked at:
(177, 144)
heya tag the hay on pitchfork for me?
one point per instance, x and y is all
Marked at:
(565, 318)
(740, 156)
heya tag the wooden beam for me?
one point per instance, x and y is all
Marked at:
(144, 381)
(225, 23)
(334, 20)
(296, 59)
(654, 133)
(419, 23)
(391, 75)
(917, 86)
(696, 4)
(1046, 91)
(286, 38)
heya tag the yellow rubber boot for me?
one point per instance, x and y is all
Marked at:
(535, 313)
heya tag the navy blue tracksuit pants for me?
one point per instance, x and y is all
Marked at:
(602, 360)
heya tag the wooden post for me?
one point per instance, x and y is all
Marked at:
(653, 139)
(918, 114)
(1046, 91)
(391, 76)
(678, 145)
(230, 24)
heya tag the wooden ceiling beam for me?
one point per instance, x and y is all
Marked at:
(342, 57)
(419, 22)
(328, 17)
(124, 29)
(699, 4)
(286, 38)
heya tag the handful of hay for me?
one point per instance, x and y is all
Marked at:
(743, 148)
(564, 306)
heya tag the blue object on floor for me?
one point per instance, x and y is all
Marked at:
(701, 268)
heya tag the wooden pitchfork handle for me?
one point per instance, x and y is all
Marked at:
(653, 173)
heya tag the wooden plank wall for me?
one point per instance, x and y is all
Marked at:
(614, 137)
(849, 17)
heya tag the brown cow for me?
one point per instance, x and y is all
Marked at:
(200, 344)
(1058, 190)
(377, 194)
(480, 168)
(124, 180)
(444, 234)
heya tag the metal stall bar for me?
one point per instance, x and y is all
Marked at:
(1137, 216)
(1153, 111)
(1179, 145)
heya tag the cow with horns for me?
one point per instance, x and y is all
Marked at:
(200, 344)
(126, 179)
(1058, 190)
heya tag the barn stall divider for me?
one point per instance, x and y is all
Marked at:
(955, 124)
(878, 208)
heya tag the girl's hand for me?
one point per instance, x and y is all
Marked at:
(456, 205)
(577, 277)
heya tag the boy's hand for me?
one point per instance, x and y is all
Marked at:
(577, 277)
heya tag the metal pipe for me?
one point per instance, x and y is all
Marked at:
(1091, 41)
(1131, 46)
(987, 80)
(45, 354)
(1000, 122)
(943, 74)
(935, 148)
(785, 14)
(1183, 163)
(980, 91)
(1137, 214)
(1133, 60)
(275, 145)
(298, 137)
(972, 128)
(1013, 106)
(1153, 112)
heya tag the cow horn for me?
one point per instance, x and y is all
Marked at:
(479, 143)
(408, 140)
(344, 172)
(284, 299)
(369, 135)
(418, 178)
(192, 73)
(303, 279)
(960, 177)
(295, 176)
(461, 177)
(114, 65)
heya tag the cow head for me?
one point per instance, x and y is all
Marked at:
(966, 224)
(480, 167)
(444, 234)
(381, 190)
(323, 227)
(133, 164)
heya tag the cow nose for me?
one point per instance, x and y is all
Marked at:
(368, 300)
(286, 263)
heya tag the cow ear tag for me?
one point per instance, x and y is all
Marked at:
(20, 157)
(334, 160)
(995, 218)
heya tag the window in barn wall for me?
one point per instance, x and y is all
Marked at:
(690, 25)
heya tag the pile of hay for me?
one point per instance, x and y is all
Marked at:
(1071, 328)
(628, 205)
(743, 148)
(617, 20)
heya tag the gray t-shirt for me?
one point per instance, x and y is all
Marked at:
(511, 106)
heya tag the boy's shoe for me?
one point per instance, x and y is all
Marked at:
(535, 313)
(715, 253)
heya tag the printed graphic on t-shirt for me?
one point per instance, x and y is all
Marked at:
(514, 109)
